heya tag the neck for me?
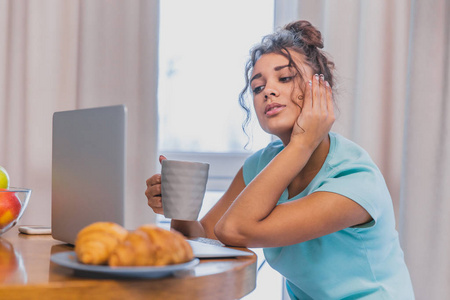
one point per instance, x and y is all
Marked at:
(310, 170)
(318, 157)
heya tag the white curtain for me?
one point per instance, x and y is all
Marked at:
(61, 55)
(393, 66)
(425, 206)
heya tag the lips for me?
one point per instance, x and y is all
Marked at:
(273, 108)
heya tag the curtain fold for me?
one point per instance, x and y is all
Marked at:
(425, 202)
(61, 55)
(393, 95)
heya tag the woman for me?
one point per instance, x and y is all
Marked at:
(314, 200)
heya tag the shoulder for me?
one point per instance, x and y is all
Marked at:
(345, 154)
(346, 147)
(351, 172)
(350, 163)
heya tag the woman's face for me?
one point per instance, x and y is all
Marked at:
(277, 96)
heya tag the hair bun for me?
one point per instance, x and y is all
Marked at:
(306, 32)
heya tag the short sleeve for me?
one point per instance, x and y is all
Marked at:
(258, 161)
(250, 169)
(363, 184)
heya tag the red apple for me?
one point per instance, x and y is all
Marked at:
(9, 207)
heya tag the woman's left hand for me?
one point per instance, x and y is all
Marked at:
(317, 115)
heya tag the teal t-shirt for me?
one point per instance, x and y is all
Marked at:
(364, 262)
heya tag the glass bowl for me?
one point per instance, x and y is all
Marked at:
(13, 202)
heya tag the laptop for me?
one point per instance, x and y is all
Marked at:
(209, 248)
(88, 175)
(88, 169)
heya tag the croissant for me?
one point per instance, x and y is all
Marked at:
(149, 245)
(95, 243)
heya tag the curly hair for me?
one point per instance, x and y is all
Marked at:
(299, 37)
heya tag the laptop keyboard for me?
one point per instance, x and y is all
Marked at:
(209, 241)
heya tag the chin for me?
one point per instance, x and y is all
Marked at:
(279, 130)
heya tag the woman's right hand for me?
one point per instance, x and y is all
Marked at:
(153, 191)
(317, 114)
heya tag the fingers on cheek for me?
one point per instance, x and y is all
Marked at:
(309, 90)
(318, 90)
(315, 84)
(329, 93)
(321, 86)
(327, 87)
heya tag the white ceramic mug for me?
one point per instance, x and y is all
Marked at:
(183, 186)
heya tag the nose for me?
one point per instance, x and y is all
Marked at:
(266, 96)
(270, 92)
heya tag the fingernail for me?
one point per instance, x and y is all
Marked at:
(317, 76)
(326, 83)
(322, 77)
(310, 83)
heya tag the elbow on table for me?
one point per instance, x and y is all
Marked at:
(229, 234)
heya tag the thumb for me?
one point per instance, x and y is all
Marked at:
(161, 158)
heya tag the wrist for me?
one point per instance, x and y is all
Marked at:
(301, 145)
(188, 228)
(293, 158)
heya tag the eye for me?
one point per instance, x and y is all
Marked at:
(258, 89)
(287, 78)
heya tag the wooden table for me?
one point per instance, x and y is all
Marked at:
(26, 272)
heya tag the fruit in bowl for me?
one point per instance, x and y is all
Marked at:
(4, 178)
(13, 202)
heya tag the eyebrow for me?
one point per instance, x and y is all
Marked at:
(278, 68)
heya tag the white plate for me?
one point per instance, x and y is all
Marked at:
(68, 259)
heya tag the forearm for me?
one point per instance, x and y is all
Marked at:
(260, 197)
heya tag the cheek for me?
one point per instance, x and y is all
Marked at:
(296, 105)
(296, 111)
(300, 97)
(258, 106)
(299, 103)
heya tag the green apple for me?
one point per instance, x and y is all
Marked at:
(4, 178)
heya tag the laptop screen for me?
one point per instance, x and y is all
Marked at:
(88, 169)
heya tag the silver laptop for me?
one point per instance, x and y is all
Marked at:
(88, 169)
(88, 175)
